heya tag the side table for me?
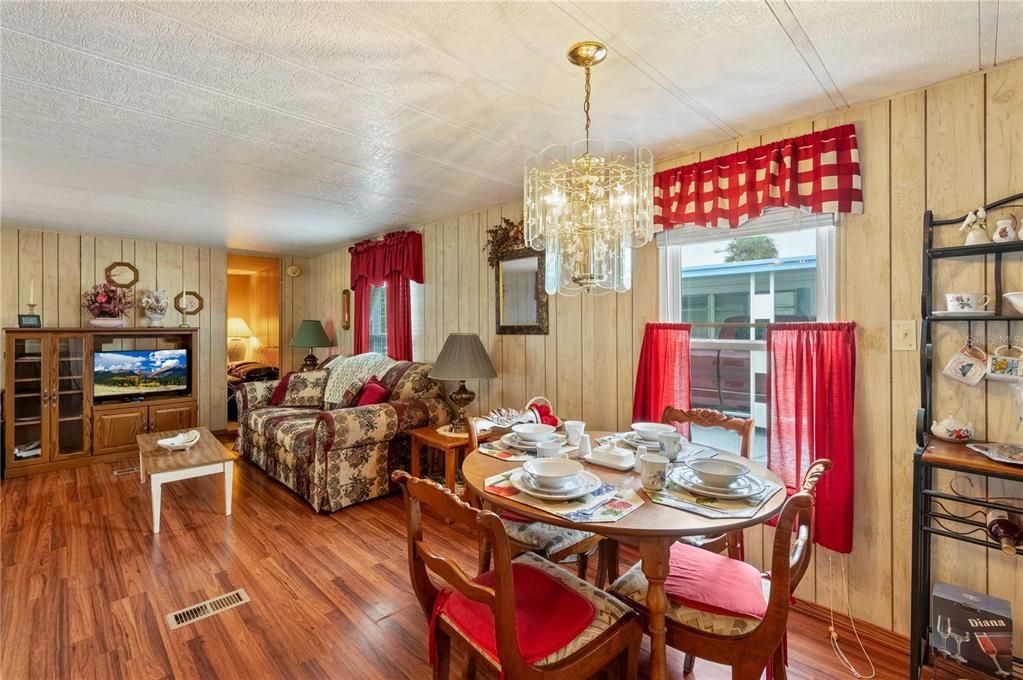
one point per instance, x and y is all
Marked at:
(427, 438)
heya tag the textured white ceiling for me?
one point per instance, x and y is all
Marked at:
(290, 126)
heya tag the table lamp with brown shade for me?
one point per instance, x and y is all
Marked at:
(310, 334)
(462, 358)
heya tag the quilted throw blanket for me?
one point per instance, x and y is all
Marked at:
(360, 367)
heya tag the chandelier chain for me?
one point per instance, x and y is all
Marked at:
(586, 108)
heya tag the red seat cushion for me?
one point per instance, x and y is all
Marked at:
(373, 392)
(277, 398)
(549, 614)
(709, 582)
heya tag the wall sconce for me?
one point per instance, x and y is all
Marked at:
(346, 309)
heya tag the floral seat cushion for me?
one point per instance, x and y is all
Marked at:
(727, 598)
(608, 610)
(542, 537)
(265, 420)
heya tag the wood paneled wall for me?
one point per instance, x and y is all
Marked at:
(64, 264)
(951, 148)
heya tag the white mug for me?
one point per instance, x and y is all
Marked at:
(654, 471)
(671, 444)
(550, 449)
(966, 302)
(574, 430)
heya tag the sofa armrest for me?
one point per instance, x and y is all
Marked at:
(253, 395)
(357, 426)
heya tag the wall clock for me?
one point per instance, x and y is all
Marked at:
(293, 271)
(121, 274)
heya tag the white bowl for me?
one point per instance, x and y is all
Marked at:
(533, 432)
(1015, 299)
(717, 473)
(649, 431)
(552, 473)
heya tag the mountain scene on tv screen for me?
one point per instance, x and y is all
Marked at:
(140, 371)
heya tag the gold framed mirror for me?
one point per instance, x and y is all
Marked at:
(521, 301)
(121, 274)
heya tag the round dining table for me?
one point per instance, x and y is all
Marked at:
(652, 527)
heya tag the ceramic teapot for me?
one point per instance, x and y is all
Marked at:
(951, 430)
(1005, 230)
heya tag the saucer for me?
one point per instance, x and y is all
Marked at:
(590, 483)
(633, 439)
(969, 312)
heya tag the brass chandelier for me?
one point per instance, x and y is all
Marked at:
(588, 204)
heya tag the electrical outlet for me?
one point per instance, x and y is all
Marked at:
(904, 335)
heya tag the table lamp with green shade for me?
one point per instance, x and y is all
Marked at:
(310, 334)
(462, 358)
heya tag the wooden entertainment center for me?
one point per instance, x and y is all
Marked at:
(52, 416)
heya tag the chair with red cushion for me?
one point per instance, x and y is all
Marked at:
(554, 543)
(724, 610)
(526, 619)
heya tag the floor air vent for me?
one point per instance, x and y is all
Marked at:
(130, 470)
(183, 617)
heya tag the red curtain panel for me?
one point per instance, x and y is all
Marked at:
(812, 390)
(819, 171)
(662, 377)
(394, 260)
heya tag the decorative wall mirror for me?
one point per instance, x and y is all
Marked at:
(122, 274)
(520, 299)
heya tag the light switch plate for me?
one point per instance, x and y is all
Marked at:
(904, 335)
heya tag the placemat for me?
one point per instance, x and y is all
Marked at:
(606, 504)
(497, 450)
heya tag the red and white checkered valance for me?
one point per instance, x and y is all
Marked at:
(819, 171)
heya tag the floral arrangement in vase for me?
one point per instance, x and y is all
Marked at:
(975, 226)
(155, 303)
(107, 303)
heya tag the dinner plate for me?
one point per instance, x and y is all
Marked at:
(568, 489)
(687, 481)
(592, 483)
(511, 439)
(633, 439)
(1003, 453)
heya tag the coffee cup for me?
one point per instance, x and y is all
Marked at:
(671, 444)
(573, 431)
(966, 302)
(653, 471)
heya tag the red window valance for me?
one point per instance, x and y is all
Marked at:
(819, 171)
(397, 252)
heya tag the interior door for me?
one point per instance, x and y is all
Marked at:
(28, 421)
(68, 400)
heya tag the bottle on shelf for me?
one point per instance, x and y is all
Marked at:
(1003, 529)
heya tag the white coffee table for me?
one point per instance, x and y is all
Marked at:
(207, 457)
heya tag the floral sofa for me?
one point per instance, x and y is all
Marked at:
(332, 454)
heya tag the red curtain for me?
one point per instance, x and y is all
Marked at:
(813, 371)
(394, 260)
(662, 377)
(819, 171)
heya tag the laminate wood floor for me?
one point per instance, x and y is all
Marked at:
(85, 585)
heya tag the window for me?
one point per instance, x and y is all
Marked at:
(780, 269)
(378, 319)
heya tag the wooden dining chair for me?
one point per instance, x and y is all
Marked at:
(557, 544)
(527, 619)
(724, 610)
(704, 417)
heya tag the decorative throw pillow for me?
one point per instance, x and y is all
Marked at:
(347, 396)
(305, 389)
(277, 398)
(373, 392)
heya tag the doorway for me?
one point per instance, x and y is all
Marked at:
(253, 323)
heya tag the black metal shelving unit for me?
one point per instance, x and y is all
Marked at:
(937, 455)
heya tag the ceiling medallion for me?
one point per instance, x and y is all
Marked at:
(588, 204)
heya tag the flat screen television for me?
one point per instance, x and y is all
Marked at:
(138, 373)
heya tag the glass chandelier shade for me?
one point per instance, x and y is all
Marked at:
(587, 205)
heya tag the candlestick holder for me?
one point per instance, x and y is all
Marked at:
(31, 307)
(184, 321)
